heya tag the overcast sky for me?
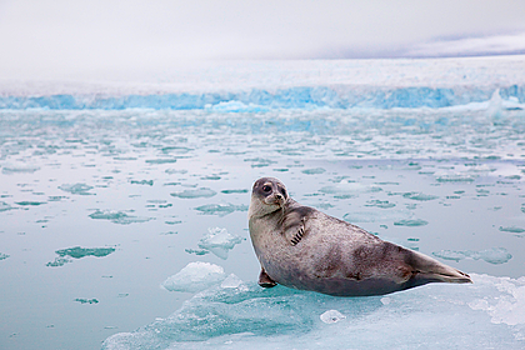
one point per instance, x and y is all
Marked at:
(45, 38)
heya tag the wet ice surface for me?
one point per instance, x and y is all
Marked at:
(100, 207)
(487, 314)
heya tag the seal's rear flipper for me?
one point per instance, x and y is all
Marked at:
(430, 270)
(265, 281)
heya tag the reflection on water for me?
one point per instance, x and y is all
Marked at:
(99, 208)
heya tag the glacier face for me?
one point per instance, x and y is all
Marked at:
(254, 86)
(260, 100)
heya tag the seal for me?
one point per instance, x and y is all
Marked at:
(303, 248)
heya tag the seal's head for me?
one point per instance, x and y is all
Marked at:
(268, 195)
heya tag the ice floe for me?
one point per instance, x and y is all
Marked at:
(65, 256)
(87, 301)
(518, 231)
(219, 241)
(435, 316)
(195, 277)
(313, 171)
(78, 188)
(418, 196)
(494, 256)
(118, 217)
(382, 216)
(79, 252)
(16, 168)
(411, 222)
(202, 192)
(220, 209)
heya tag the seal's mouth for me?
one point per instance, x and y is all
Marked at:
(276, 199)
(279, 200)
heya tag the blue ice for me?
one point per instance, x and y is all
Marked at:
(245, 316)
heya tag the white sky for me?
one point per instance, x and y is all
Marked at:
(62, 38)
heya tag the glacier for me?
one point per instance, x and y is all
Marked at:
(257, 100)
(249, 86)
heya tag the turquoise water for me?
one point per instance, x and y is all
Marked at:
(103, 211)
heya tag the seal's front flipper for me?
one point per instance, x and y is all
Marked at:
(294, 222)
(265, 281)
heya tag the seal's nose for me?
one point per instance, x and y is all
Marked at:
(279, 197)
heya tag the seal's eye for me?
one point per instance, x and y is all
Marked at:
(267, 189)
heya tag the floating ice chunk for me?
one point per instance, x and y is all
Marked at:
(172, 171)
(348, 189)
(157, 201)
(197, 193)
(495, 105)
(142, 182)
(3, 256)
(197, 251)
(56, 198)
(481, 168)
(411, 223)
(221, 209)
(195, 277)
(87, 301)
(4, 206)
(173, 222)
(219, 241)
(167, 233)
(380, 204)
(418, 196)
(242, 191)
(161, 161)
(314, 171)
(512, 229)
(15, 168)
(232, 281)
(332, 316)
(176, 149)
(30, 203)
(456, 178)
(79, 252)
(117, 217)
(59, 261)
(494, 256)
(378, 216)
(211, 177)
(78, 188)
(65, 256)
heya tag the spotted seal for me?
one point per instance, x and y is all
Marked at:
(303, 248)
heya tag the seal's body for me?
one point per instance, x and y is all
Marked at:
(303, 248)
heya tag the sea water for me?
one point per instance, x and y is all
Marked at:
(123, 215)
